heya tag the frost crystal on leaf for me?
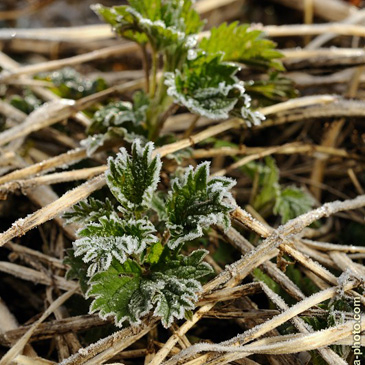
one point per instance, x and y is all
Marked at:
(206, 85)
(133, 179)
(112, 238)
(197, 202)
(164, 23)
(123, 292)
(89, 211)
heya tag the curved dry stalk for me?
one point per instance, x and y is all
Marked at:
(21, 226)
(355, 18)
(331, 10)
(10, 65)
(287, 344)
(247, 159)
(36, 277)
(341, 108)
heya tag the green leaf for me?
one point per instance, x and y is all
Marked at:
(77, 270)
(125, 292)
(188, 267)
(71, 84)
(154, 253)
(130, 116)
(173, 297)
(238, 43)
(271, 90)
(270, 190)
(89, 211)
(112, 238)
(207, 86)
(292, 202)
(162, 23)
(118, 120)
(26, 104)
(116, 293)
(197, 202)
(133, 178)
(158, 204)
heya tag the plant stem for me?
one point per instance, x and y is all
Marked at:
(154, 72)
(145, 64)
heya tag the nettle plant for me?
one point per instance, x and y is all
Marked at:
(129, 257)
(197, 74)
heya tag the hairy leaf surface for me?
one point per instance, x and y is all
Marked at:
(133, 178)
(88, 211)
(162, 23)
(113, 238)
(197, 202)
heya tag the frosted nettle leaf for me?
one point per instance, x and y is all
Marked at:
(114, 293)
(197, 202)
(123, 292)
(118, 120)
(92, 143)
(292, 202)
(112, 238)
(89, 211)
(162, 23)
(189, 267)
(77, 270)
(71, 84)
(117, 114)
(206, 86)
(133, 178)
(158, 204)
(174, 298)
(275, 88)
(244, 45)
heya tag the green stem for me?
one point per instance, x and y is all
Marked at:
(146, 67)
(154, 72)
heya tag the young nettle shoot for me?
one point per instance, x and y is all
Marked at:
(123, 262)
(200, 75)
